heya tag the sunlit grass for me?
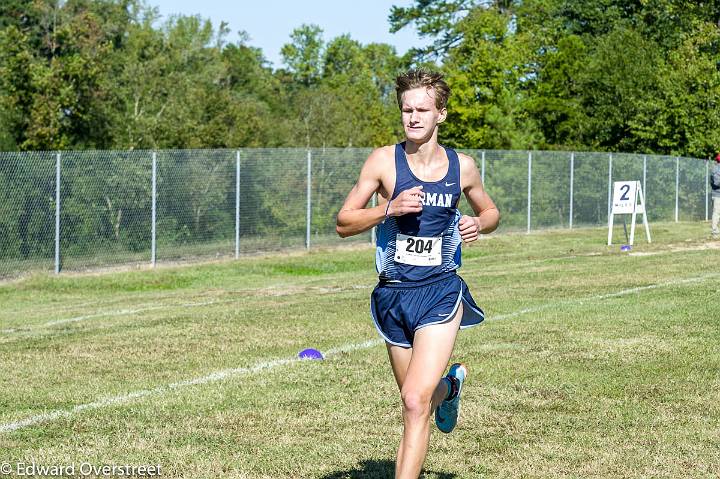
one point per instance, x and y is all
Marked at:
(567, 378)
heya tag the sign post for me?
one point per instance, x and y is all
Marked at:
(628, 198)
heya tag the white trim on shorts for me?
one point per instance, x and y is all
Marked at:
(477, 311)
(449, 317)
(387, 340)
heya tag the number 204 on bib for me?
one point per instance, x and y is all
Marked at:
(418, 251)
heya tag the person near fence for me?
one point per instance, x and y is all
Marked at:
(715, 185)
(420, 302)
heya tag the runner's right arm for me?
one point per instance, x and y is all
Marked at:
(354, 218)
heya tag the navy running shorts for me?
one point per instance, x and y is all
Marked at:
(400, 309)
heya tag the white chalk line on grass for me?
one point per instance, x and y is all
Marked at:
(128, 312)
(125, 312)
(265, 365)
(597, 297)
(210, 378)
(108, 314)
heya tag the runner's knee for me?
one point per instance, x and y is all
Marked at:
(416, 403)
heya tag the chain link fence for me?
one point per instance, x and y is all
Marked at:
(78, 210)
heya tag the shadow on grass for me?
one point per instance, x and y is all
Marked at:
(371, 469)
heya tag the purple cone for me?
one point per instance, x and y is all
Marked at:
(310, 353)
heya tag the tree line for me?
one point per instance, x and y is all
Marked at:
(605, 75)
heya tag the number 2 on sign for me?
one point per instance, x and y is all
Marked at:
(625, 190)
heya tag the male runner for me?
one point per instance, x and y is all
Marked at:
(420, 302)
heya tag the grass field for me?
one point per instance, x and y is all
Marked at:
(592, 363)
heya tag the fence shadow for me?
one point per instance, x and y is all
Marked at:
(372, 469)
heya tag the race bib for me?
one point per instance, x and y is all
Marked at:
(418, 251)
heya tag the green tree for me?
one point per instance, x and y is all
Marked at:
(261, 96)
(303, 55)
(691, 87)
(53, 60)
(349, 100)
(604, 74)
(490, 73)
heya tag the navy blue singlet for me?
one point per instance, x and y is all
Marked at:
(417, 246)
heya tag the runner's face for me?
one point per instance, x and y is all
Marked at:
(420, 116)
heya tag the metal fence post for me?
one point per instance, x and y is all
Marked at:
(237, 204)
(677, 188)
(609, 201)
(309, 200)
(572, 185)
(57, 212)
(707, 192)
(482, 168)
(153, 245)
(645, 177)
(529, 201)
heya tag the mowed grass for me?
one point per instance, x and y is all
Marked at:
(592, 363)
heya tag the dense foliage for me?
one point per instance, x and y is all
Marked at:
(621, 75)
(597, 75)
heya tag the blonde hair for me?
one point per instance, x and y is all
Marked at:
(423, 78)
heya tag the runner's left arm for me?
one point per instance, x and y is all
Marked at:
(487, 216)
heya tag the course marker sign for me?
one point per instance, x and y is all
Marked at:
(628, 198)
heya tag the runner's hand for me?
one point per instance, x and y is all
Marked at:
(409, 201)
(469, 228)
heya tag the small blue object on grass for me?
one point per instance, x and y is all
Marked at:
(310, 353)
(625, 247)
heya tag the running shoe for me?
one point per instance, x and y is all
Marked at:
(446, 414)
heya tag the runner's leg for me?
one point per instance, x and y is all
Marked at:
(399, 360)
(422, 390)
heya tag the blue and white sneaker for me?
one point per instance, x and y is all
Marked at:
(446, 414)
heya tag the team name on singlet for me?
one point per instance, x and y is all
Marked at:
(437, 199)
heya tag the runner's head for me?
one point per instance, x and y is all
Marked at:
(422, 97)
(423, 79)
